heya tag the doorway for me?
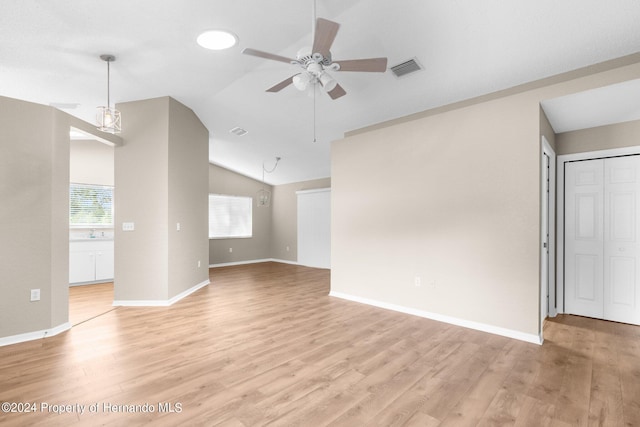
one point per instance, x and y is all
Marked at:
(91, 227)
(547, 233)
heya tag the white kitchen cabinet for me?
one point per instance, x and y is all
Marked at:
(90, 261)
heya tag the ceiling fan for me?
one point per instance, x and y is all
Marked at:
(315, 62)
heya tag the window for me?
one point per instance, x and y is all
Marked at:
(90, 205)
(230, 216)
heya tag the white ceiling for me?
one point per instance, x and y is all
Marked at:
(597, 107)
(49, 53)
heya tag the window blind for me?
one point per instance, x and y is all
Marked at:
(230, 216)
(90, 205)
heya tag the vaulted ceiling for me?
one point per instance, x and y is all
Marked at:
(49, 53)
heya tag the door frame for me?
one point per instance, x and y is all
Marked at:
(548, 286)
(561, 160)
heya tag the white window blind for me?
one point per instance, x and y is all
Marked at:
(90, 205)
(230, 216)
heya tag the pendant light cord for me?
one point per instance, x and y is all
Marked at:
(108, 83)
(272, 169)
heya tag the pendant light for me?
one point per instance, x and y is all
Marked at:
(108, 119)
(264, 196)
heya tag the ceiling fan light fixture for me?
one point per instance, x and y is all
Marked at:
(217, 40)
(301, 81)
(328, 82)
(314, 68)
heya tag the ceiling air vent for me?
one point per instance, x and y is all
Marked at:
(238, 131)
(406, 67)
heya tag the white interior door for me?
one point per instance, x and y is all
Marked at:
(601, 238)
(314, 228)
(584, 238)
(621, 292)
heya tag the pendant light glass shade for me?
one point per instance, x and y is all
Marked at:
(108, 119)
(263, 198)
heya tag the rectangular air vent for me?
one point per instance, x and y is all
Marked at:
(238, 131)
(406, 67)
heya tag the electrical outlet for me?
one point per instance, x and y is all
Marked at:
(230, 250)
(287, 248)
(417, 281)
(198, 263)
(177, 226)
(35, 294)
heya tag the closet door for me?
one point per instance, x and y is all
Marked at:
(602, 238)
(584, 238)
(621, 237)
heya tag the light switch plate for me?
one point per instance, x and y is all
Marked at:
(128, 226)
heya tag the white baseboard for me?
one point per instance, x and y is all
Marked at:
(284, 261)
(509, 333)
(252, 261)
(160, 303)
(30, 336)
(97, 282)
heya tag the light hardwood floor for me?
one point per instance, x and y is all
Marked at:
(265, 345)
(89, 301)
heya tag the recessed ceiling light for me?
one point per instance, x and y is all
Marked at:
(217, 39)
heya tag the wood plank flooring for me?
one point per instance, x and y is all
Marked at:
(89, 301)
(265, 345)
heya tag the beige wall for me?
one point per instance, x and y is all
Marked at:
(141, 179)
(274, 228)
(91, 162)
(224, 181)
(453, 196)
(34, 222)
(284, 224)
(599, 138)
(188, 199)
(547, 130)
(163, 155)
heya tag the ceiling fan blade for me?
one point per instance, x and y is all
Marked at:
(281, 85)
(371, 65)
(337, 92)
(325, 35)
(266, 55)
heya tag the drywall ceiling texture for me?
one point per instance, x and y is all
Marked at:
(50, 54)
(453, 198)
